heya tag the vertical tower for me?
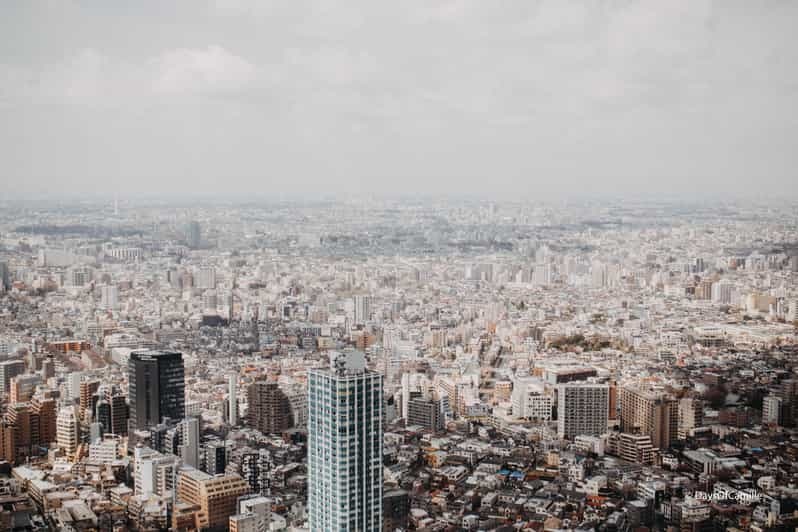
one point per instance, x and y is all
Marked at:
(362, 306)
(189, 450)
(345, 414)
(68, 431)
(156, 381)
(232, 398)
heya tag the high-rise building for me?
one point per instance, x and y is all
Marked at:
(255, 467)
(48, 368)
(269, 409)
(345, 416)
(189, 449)
(22, 387)
(232, 399)
(88, 390)
(8, 370)
(529, 400)
(156, 383)
(43, 420)
(120, 412)
(109, 297)
(691, 416)
(215, 456)
(426, 413)
(216, 496)
(362, 308)
(646, 411)
(5, 277)
(582, 409)
(68, 431)
(153, 472)
(193, 235)
(206, 279)
(771, 409)
(73, 385)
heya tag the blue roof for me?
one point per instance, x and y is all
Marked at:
(517, 474)
(504, 472)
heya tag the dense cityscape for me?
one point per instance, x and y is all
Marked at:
(409, 364)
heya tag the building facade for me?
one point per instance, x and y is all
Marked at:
(345, 476)
(156, 387)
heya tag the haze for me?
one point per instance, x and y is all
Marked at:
(497, 99)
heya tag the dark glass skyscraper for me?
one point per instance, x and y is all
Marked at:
(156, 381)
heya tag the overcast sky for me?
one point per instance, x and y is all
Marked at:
(505, 98)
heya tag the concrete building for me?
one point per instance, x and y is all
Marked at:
(269, 409)
(582, 409)
(651, 412)
(156, 381)
(8, 370)
(530, 400)
(68, 431)
(216, 496)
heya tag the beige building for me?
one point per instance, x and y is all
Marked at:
(649, 412)
(215, 496)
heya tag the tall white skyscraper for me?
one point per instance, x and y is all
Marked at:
(232, 398)
(345, 414)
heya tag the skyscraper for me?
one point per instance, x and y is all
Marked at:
(156, 383)
(232, 399)
(345, 414)
(193, 235)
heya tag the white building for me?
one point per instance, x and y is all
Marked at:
(771, 406)
(105, 451)
(345, 474)
(68, 431)
(232, 398)
(530, 401)
(109, 297)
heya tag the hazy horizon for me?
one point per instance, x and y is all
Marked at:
(517, 100)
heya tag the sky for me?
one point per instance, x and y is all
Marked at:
(502, 99)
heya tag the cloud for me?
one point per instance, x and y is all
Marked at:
(212, 69)
(90, 77)
(461, 89)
